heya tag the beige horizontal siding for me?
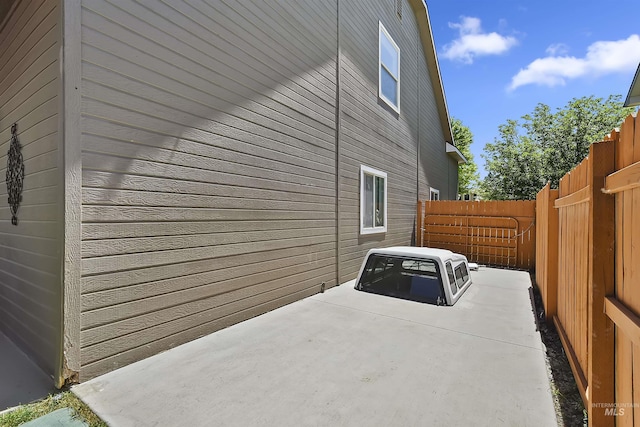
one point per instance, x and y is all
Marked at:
(29, 252)
(373, 135)
(208, 181)
(227, 267)
(278, 269)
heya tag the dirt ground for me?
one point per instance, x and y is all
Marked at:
(570, 409)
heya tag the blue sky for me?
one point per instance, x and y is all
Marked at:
(500, 58)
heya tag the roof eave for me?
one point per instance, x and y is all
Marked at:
(633, 97)
(453, 151)
(422, 16)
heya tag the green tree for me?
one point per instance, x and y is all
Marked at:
(545, 145)
(468, 176)
(565, 136)
(513, 164)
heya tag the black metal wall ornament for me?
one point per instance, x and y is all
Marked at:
(15, 174)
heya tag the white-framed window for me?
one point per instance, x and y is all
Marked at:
(388, 69)
(373, 201)
(434, 194)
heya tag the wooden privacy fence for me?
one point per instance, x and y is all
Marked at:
(588, 272)
(623, 307)
(498, 233)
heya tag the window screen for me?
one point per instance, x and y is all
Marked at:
(373, 201)
(389, 69)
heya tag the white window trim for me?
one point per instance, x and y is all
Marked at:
(370, 171)
(433, 191)
(381, 31)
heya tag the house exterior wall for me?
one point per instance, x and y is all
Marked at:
(208, 168)
(435, 168)
(374, 135)
(30, 277)
(219, 147)
(453, 180)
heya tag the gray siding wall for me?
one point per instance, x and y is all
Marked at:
(29, 252)
(453, 179)
(436, 169)
(208, 184)
(374, 135)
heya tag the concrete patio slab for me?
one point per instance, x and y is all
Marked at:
(349, 358)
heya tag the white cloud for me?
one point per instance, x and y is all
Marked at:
(473, 42)
(557, 49)
(603, 57)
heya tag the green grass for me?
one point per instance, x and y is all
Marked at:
(66, 399)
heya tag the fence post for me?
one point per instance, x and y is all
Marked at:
(419, 219)
(551, 309)
(546, 262)
(601, 358)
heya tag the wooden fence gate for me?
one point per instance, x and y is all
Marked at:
(494, 233)
(485, 239)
